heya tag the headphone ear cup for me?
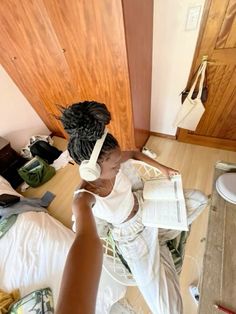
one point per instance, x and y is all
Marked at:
(88, 171)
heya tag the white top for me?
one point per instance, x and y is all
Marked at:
(115, 207)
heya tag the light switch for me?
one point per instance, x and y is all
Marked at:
(192, 17)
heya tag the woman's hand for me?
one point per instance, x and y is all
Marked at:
(81, 201)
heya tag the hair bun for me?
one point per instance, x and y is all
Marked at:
(85, 120)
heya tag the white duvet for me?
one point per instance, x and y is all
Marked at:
(33, 254)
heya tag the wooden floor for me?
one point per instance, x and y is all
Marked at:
(196, 164)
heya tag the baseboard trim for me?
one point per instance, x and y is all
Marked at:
(171, 137)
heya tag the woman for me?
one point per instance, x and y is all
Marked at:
(111, 199)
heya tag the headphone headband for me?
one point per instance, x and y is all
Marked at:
(97, 148)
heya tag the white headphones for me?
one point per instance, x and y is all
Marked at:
(89, 169)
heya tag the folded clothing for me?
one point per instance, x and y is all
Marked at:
(27, 204)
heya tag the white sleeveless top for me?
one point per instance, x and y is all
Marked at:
(116, 206)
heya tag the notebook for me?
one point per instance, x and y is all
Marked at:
(164, 204)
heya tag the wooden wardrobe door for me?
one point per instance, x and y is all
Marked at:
(33, 57)
(92, 33)
(217, 40)
(60, 52)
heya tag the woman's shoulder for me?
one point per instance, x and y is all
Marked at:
(126, 156)
(82, 192)
(84, 186)
(81, 185)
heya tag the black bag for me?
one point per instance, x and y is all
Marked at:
(45, 151)
(204, 95)
(8, 200)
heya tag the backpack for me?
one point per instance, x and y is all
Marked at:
(45, 151)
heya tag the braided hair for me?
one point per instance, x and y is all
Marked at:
(85, 123)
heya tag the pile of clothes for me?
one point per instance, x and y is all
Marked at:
(12, 205)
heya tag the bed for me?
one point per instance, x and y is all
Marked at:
(33, 254)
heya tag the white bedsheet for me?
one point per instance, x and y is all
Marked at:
(32, 256)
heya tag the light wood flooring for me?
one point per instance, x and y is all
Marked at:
(196, 164)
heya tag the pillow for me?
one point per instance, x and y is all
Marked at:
(6, 188)
(39, 301)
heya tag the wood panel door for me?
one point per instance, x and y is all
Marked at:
(217, 40)
(33, 57)
(92, 34)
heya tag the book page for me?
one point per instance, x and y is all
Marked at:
(165, 214)
(163, 189)
(164, 204)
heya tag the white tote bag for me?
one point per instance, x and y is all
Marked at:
(192, 110)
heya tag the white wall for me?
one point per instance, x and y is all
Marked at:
(18, 120)
(173, 50)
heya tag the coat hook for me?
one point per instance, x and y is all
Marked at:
(205, 58)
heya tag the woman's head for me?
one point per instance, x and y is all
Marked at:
(85, 123)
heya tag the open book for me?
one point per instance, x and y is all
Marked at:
(164, 204)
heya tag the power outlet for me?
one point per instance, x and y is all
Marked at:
(193, 17)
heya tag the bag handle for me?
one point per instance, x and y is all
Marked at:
(202, 79)
(201, 72)
(193, 76)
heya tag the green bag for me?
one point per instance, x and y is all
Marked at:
(36, 172)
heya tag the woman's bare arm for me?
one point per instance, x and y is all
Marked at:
(84, 263)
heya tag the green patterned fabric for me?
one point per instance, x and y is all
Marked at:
(37, 302)
(177, 249)
(115, 249)
(5, 224)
